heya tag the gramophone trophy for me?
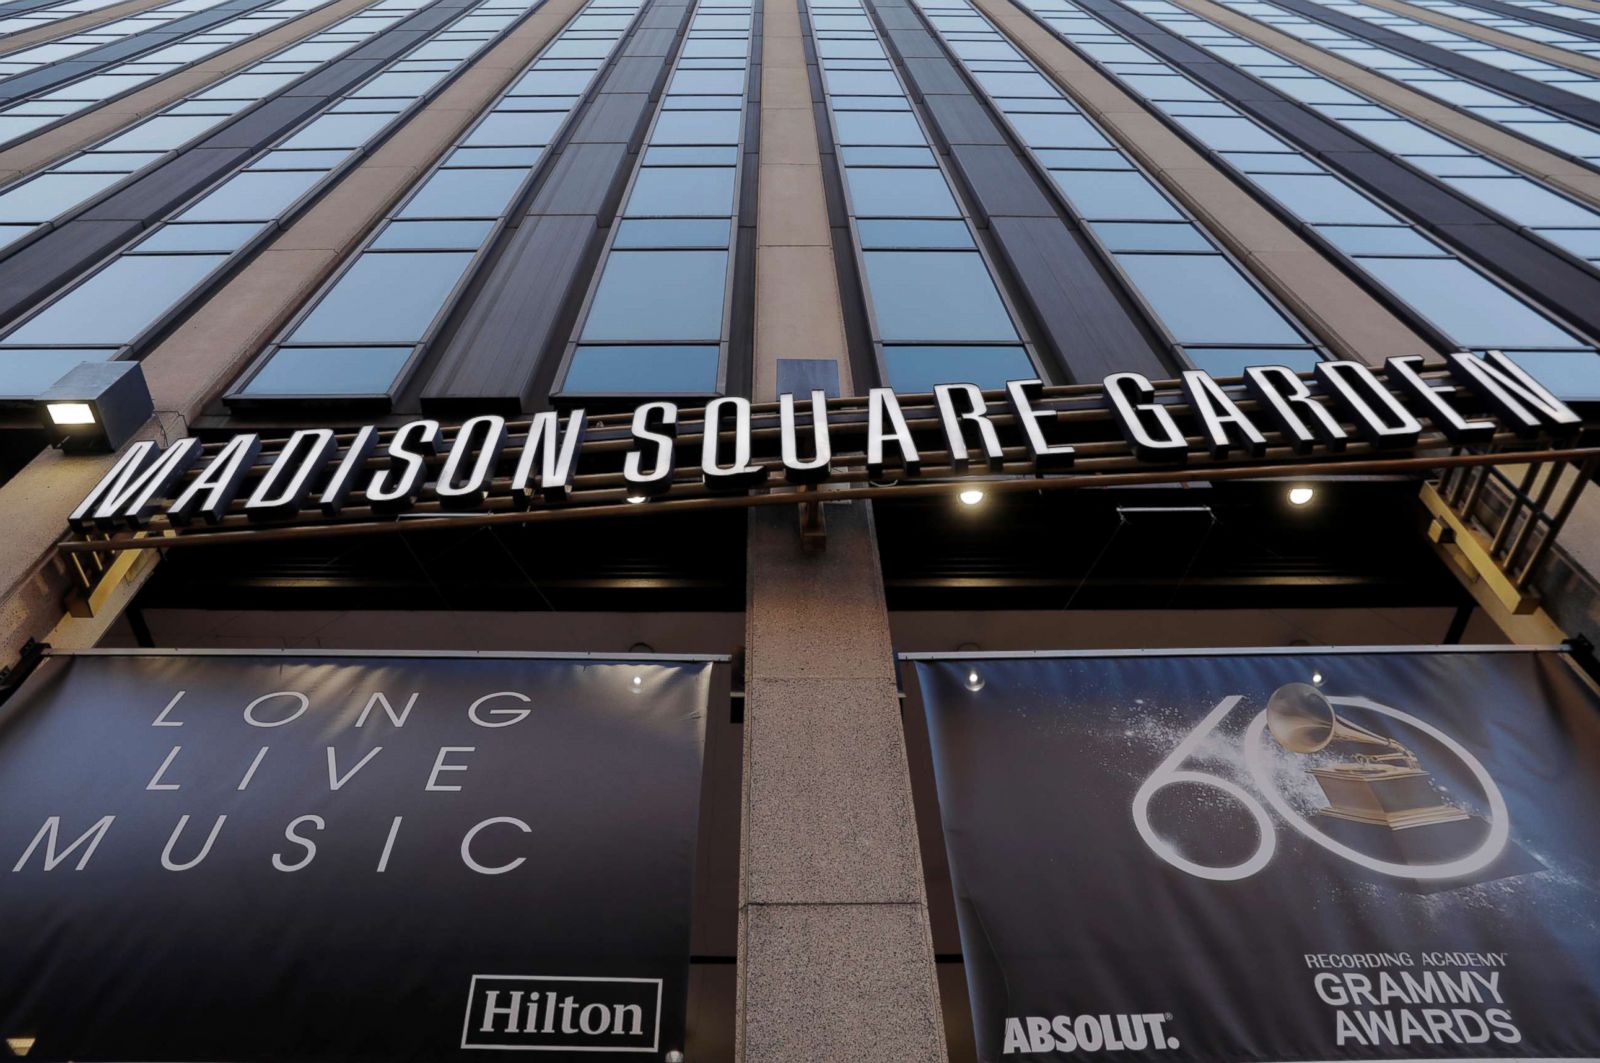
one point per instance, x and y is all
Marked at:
(1388, 789)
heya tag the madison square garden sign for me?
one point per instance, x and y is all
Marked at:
(1214, 856)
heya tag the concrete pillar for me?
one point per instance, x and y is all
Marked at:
(835, 955)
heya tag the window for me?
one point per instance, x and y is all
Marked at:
(329, 371)
(935, 295)
(659, 295)
(886, 233)
(1114, 194)
(117, 303)
(1203, 299)
(888, 193)
(643, 369)
(1324, 198)
(384, 298)
(254, 196)
(657, 314)
(25, 372)
(400, 283)
(464, 194)
(1460, 302)
(915, 370)
(672, 233)
(682, 191)
(1465, 304)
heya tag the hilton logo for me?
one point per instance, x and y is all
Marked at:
(537, 1013)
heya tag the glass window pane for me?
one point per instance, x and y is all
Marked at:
(1320, 198)
(338, 131)
(1232, 134)
(863, 83)
(705, 191)
(859, 156)
(1082, 159)
(1143, 236)
(1203, 299)
(1114, 194)
(515, 129)
(878, 127)
(119, 302)
(552, 83)
(699, 156)
(915, 370)
(162, 133)
(659, 295)
(464, 194)
(643, 369)
(672, 232)
(1528, 203)
(930, 234)
(935, 295)
(329, 371)
(434, 235)
(27, 372)
(1379, 240)
(1057, 131)
(1585, 243)
(1270, 162)
(1232, 361)
(1465, 305)
(300, 160)
(888, 193)
(1572, 376)
(703, 82)
(697, 127)
(176, 237)
(253, 196)
(390, 297)
(1403, 138)
(44, 197)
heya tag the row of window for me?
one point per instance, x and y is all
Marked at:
(1560, 219)
(657, 318)
(1516, 27)
(1460, 302)
(67, 185)
(1561, 77)
(41, 55)
(1550, 7)
(47, 108)
(936, 313)
(45, 16)
(117, 306)
(1537, 124)
(1204, 302)
(363, 332)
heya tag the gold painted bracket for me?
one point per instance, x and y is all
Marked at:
(1503, 544)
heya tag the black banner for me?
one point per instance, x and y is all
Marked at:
(1387, 855)
(347, 858)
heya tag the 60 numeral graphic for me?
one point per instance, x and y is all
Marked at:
(1171, 771)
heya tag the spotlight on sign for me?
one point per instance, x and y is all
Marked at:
(96, 406)
(974, 681)
(1316, 678)
(636, 684)
(1301, 496)
(971, 497)
(634, 500)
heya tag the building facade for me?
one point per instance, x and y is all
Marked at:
(811, 340)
